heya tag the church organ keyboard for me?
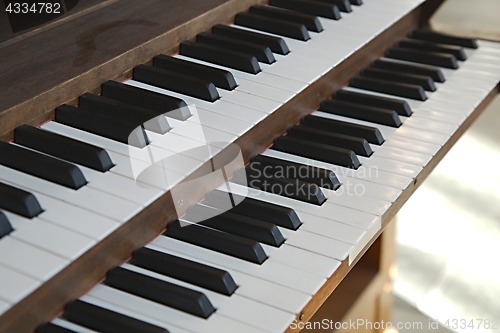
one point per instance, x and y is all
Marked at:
(69, 194)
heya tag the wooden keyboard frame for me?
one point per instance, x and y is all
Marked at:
(37, 106)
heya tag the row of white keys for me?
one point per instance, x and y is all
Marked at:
(333, 212)
(15, 286)
(183, 164)
(87, 198)
(160, 315)
(249, 286)
(52, 238)
(270, 270)
(236, 307)
(349, 176)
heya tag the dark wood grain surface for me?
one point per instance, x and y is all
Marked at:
(53, 67)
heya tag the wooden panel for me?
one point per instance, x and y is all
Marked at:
(41, 72)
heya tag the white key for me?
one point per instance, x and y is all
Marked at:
(255, 288)
(50, 237)
(331, 229)
(220, 122)
(28, 260)
(406, 144)
(123, 167)
(121, 187)
(330, 211)
(257, 89)
(235, 307)
(401, 155)
(362, 203)
(81, 221)
(270, 270)
(349, 177)
(71, 326)
(431, 125)
(295, 254)
(15, 286)
(392, 166)
(87, 198)
(315, 243)
(116, 300)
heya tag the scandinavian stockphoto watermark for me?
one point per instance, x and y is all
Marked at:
(167, 161)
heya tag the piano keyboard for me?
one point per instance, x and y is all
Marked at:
(54, 209)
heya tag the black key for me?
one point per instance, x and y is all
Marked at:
(244, 226)
(51, 328)
(5, 227)
(282, 216)
(63, 147)
(112, 108)
(186, 270)
(371, 134)
(361, 112)
(41, 166)
(344, 5)
(412, 91)
(261, 52)
(399, 105)
(309, 7)
(219, 77)
(118, 130)
(356, 2)
(435, 37)
(276, 44)
(429, 58)
(180, 83)
(358, 145)
(215, 240)
(290, 188)
(106, 321)
(425, 82)
(317, 151)
(306, 173)
(159, 291)
(416, 44)
(278, 27)
(19, 201)
(173, 107)
(434, 72)
(311, 22)
(240, 61)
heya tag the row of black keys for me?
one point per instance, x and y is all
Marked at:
(250, 214)
(123, 111)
